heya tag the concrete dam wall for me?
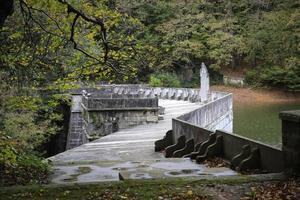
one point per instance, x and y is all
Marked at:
(140, 106)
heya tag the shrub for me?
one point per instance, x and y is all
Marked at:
(27, 123)
(251, 77)
(164, 80)
(287, 77)
(20, 168)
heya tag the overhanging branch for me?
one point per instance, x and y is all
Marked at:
(92, 20)
(78, 14)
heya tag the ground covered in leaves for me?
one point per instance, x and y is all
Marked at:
(133, 190)
(161, 190)
(289, 190)
(216, 162)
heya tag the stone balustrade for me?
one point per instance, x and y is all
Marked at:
(185, 94)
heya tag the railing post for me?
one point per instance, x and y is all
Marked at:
(291, 141)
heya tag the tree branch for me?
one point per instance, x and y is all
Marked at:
(95, 21)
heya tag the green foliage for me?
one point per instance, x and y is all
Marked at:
(36, 50)
(19, 167)
(7, 151)
(25, 131)
(287, 77)
(26, 123)
(143, 38)
(260, 34)
(164, 80)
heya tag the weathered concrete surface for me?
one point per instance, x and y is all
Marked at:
(99, 160)
(76, 134)
(135, 143)
(147, 169)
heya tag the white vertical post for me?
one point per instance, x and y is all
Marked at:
(204, 83)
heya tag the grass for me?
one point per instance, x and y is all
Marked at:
(154, 189)
(176, 189)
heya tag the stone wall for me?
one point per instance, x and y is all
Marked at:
(237, 81)
(118, 102)
(104, 113)
(76, 135)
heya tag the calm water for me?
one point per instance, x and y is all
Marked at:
(261, 122)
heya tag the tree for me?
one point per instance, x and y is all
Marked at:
(6, 9)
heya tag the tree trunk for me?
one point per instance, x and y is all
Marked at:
(6, 9)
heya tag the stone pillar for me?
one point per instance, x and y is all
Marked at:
(291, 141)
(204, 83)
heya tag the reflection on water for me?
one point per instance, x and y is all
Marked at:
(261, 122)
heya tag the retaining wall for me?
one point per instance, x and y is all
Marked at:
(271, 158)
(118, 102)
(233, 81)
(104, 113)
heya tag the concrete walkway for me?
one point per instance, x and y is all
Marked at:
(129, 154)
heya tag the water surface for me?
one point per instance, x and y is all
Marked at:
(261, 121)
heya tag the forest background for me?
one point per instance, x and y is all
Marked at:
(53, 45)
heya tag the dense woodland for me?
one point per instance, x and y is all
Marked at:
(51, 45)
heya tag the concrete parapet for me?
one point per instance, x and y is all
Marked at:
(271, 158)
(213, 115)
(291, 141)
(186, 94)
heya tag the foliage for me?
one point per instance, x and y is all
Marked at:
(275, 190)
(56, 44)
(38, 41)
(23, 133)
(260, 34)
(28, 134)
(164, 80)
(287, 77)
(17, 167)
(27, 122)
(142, 37)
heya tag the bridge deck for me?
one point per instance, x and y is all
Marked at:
(126, 151)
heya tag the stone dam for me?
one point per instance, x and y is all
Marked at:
(121, 132)
(130, 150)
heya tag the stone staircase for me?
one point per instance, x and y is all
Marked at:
(76, 136)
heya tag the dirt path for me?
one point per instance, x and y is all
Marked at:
(249, 95)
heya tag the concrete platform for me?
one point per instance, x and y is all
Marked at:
(147, 169)
(129, 154)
